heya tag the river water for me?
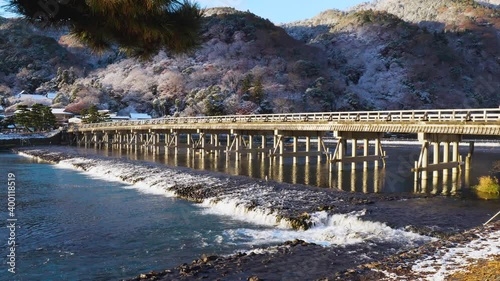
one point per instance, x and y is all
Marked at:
(396, 177)
(75, 226)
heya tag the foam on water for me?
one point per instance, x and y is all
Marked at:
(149, 184)
(234, 208)
(336, 229)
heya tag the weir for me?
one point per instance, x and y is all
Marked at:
(274, 137)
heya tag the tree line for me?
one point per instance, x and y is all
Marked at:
(37, 119)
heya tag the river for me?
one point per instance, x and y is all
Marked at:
(80, 226)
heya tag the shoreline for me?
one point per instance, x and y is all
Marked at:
(283, 206)
(438, 260)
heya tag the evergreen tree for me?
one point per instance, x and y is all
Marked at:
(35, 116)
(4, 123)
(23, 117)
(48, 119)
(214, 105)
(39, 118)
(246, 84)
(258, 92)
(92, 115)
(140, 28)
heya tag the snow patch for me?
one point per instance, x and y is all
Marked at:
(447, 261)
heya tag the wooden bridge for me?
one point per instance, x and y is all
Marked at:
(239, 135)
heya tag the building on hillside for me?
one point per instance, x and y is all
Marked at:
(116, 118)
(74, 120)
(23, 96)
(62, 117)
(51, 95)
(104, 111)
(139, 116)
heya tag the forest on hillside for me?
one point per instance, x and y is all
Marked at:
(431, 54)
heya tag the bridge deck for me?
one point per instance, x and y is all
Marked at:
(447, 121)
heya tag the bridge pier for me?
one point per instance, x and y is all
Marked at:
(354, 147)
(218, 145)
(320, 141)
(201, 143)
(339, 156)
(87, 140)
(308, 148)
(121, 140)
(252, 153)
(136, 141)
(378, 148)
(278, 152)
(422, 166)
(107, 140)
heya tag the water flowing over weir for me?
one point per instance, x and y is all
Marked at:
(284, 208)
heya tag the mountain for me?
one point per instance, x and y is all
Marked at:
(32, 57)
(28, 58)
(244, 65)
(390, 54)
(445, 56)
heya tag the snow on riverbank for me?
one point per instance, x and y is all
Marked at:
(444, 262)
(439, 260)
(15, 136)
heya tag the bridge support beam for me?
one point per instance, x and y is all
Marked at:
(354, 147)
(136, 141)
(280, 153)
(422, 167)
(263, 145)
(87, 139)
(308, 148)
(339, 156)
(320, 140)
(295, 150)
(251, 154)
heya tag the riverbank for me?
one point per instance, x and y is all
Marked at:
(11, 140)
(340, 229)
(471, 255)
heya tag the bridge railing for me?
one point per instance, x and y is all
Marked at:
(442, 115)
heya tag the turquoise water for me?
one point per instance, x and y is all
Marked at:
(73, 227)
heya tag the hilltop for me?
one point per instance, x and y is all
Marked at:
(409, 60)
(391, 54)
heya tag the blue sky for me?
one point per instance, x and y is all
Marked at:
(3, 13)
(282, 11)
(278, 11)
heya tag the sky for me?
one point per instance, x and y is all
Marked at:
(283, 11)
(277, 11)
